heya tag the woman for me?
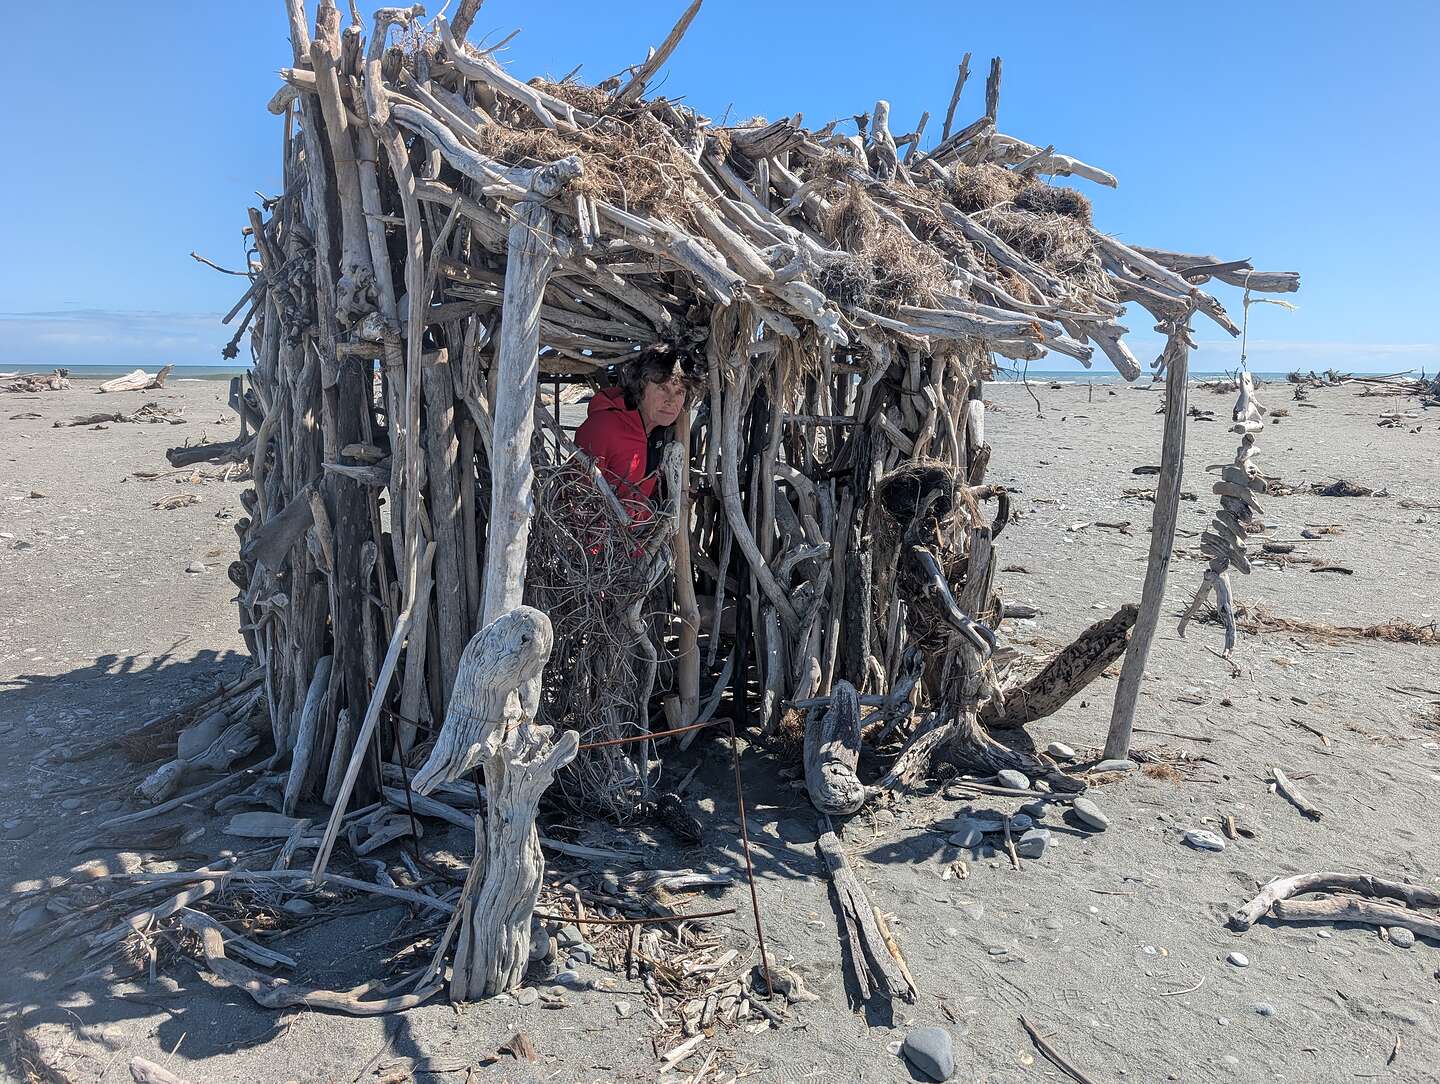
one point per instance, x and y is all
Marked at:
(628, 425)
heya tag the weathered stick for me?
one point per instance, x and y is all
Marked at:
(1292, 794)
(1162, 544)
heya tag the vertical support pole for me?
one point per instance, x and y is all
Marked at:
(688, 651)
(1162, 542)
(530, 254)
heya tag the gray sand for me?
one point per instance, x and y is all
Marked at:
(1112, 944)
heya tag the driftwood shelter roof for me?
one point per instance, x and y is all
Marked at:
(434, 584)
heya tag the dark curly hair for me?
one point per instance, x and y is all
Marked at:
(655, 365)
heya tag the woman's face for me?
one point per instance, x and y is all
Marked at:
(662, 402)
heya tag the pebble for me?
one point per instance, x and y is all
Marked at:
(986, 822)
(1114, 766)
(1019, 822)
(1239, 959)
(969, 836)
(931, 1051)
(1204, 840)
(1399, 935)
(298, 907)
(581, 954)
(622, 1009)
(1033, 843)
(17, 829)
(28, 919)
(1089, 813)
(72, 803)
(571, 980)
(569, 936)
(527, 995)
(1060, 751)
(1013, 780)
(195, 566)
(1264, 1008)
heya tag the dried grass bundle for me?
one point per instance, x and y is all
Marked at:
(1048, 199)
(977, 188)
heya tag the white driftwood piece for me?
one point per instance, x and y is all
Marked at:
(497, 687)
(137, 380)
(1162, 544)
(487, 721)
(832, 750)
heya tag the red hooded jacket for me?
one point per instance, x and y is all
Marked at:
(614, 436)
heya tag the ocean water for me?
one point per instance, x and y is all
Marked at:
(1002, 375)
(182, 372)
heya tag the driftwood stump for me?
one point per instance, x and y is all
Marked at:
(491, 721)
(832, 750)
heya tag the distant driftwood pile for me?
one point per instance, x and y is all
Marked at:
(451, 239)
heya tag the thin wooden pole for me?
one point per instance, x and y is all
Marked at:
(1162, 542)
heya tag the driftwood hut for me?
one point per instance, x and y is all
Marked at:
(440, 590)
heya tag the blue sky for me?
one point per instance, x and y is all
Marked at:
(1300, 135)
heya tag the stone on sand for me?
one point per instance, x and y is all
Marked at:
(1033, 843)
(1010, 779)
(1060, 751)
(931, 1051)
(1204, 840)
(1090, 814)
(1114, 766)
(1402, 937)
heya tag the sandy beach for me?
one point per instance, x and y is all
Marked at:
(1113, 944)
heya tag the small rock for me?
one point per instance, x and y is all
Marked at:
(1399, 935)
(527, 995)
(1204, 840)
(569, 936)
(36, 495)
(1033, 843)
(1089, 814)
(581, 955)
(969, 836)
(195, 566)
(571, 981)
(1114, 766)
(28, 919)
(1020, 822)
(1060, 751)
(622, 1009)
(884, 818)
(986, 822)
(17, 829)
(1013, 780)
(1264, 1008)
(1239, 959)
(931, 1051)
(298, 907)
(539, 942)
(72, 803)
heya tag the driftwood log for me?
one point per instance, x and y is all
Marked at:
(1285, 887)
(877, 971)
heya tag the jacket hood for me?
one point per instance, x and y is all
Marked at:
(606, 400)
